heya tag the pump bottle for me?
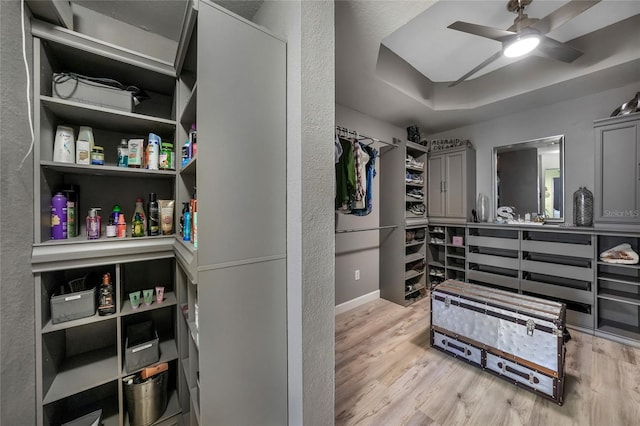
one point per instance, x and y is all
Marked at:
(94, 224)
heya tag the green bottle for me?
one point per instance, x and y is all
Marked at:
(138, 226)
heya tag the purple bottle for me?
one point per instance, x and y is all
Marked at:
(59, 217)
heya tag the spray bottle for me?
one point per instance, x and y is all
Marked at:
(59, 217)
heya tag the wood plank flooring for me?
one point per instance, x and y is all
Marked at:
(386, 374)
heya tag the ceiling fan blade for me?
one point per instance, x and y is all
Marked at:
(563, 14)
(482, 31)
(478, 68)
(559, 51)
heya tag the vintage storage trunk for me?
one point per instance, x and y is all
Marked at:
(518, 338)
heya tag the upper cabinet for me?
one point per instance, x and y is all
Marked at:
(617, 195)
(451, 185)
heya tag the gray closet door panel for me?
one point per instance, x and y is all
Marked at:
(243, 352)
(455, 191)
(435, 169)
(241, 140)
(619, 173)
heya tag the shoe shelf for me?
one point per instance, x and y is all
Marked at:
(415, 160)
(446, 260)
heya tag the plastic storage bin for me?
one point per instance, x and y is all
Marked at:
(141, 346)
(71, 306)
(91, 419)
(146, 401)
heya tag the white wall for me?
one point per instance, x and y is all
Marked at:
(308, 27)
(573, 119)
(360, 250)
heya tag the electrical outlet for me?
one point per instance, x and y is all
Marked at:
(357, 274)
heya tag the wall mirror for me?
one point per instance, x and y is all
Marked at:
(529, 176)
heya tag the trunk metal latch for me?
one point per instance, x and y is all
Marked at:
(530, 327)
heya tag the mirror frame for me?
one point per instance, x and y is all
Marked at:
(533, 143)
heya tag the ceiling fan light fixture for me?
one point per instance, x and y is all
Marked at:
(521, 45)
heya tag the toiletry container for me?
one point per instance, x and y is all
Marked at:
(153, 220)
(94, 224)
(73, 224)
(123, 153)
(64, 148)
(59, 217)
(139, 210)
(106, 304)
(153, 151)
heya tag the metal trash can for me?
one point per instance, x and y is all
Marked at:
(146, 401)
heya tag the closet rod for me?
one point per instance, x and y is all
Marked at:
(344, 231)
(344, 131)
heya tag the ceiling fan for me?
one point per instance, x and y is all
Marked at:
(527, 34)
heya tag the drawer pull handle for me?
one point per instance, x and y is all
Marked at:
(456, 347)
(530, 377)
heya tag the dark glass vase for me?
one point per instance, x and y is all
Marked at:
(583, 207)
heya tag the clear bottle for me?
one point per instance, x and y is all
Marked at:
(137, 226)
(123, 153)
(153, 220)
(139, 210)
(94, 224)
(107, 304)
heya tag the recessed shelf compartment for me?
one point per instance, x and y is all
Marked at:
(103, 397)
(83, 114)
(78, 359)
(619, 296)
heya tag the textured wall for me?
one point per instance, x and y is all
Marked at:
(573, 119)
(308, 29)
(17, 346)
(360, 250)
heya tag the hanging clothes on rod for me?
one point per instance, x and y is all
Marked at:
(355, 171)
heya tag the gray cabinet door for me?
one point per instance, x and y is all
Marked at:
(435, 186)
(241, 111)
(455, 184)
(243, 344)
(617, 173)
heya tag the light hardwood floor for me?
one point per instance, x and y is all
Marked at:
(386, 374)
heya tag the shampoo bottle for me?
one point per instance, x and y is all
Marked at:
(64, 148)
(59, 217)
(94, 224)
(153, 221)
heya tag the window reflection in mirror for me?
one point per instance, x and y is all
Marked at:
(529, 177)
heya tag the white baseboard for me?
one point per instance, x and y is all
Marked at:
(354, 303)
